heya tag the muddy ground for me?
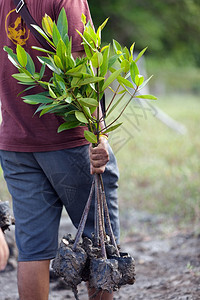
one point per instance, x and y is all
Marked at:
(167, 261)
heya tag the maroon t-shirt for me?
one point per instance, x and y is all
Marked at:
(20, 130)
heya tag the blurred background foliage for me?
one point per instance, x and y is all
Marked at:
(170, 29)
(159, 168)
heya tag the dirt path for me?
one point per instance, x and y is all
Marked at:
(167, 262)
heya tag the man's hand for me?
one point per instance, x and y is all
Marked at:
(99, 156)
(4, 251)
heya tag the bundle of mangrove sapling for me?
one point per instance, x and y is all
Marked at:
(74, 92)
(95, 260)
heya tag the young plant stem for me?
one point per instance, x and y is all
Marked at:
(100, 225)
(107, 217)
(96, 218)
(84, 217)
(98, 100)
(132, 96)
(111, 101)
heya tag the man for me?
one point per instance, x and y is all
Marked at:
(45, 170)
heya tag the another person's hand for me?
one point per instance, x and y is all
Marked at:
(99, 156)
(4, 251)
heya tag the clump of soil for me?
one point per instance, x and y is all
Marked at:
(5, 216)
(104, 274)
(69, 263)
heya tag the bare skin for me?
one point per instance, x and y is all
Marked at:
(99, 157)
(33, 280)
(4, 251)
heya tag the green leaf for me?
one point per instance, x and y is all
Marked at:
(43, 34)
(140, 54)
(151, 97)
(47, 25)
(97, 59)
(125, 65)
(42, 50)
(117, 47)
(90, 137)
(10, 52)
(124, 81)
(87, 112)
(12, 57)
(23, 77)
(61, 50)
(42, 70)
(104, 24)
(89, 102)
(126, 53)
(83, 19)
(91, 41)
(145, 83)
(131, 50)
(139, 79)
(92, 34)
(74, 70)
(68, 99)
(62, 23)
(88, 51)
(81, 117)
(37, 98)
(56, 35)
(27, 89)
(31, 102)
(133, 70)
(51, 92)
(104, 66)
(112, 128)
(21, 56)
(30, 65)
(99, 30)
(68, 125)
(58, 62)
(48, 61)
(89, 80)
(112, 60)
(111, 78)
(85, 40)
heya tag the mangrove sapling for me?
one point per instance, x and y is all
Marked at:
(74, 92)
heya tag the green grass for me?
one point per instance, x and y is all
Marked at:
(159, 168)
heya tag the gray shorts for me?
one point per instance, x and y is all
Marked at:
(41, 183)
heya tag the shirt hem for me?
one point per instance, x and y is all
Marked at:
(42, 148)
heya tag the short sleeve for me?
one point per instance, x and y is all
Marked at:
(74, 10)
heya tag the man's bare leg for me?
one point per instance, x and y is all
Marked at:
(33, 280)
